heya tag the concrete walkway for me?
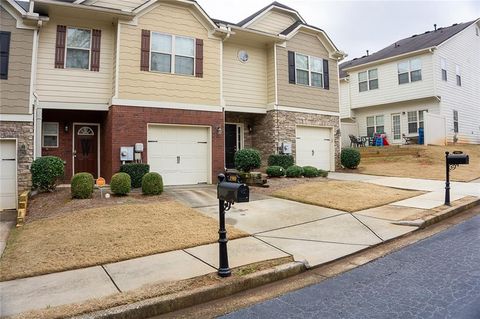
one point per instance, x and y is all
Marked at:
(279, 228)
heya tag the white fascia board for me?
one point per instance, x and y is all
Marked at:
(268, 10)
(167, 105)
(458, 33)
(73, 106)
(302, 110)
(245, 109)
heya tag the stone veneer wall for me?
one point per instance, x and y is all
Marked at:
(279, 126)
(23, 132)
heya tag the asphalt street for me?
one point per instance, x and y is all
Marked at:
(438, 277)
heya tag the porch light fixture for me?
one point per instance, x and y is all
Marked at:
(219, 130)
(250, 129)
(66, 128)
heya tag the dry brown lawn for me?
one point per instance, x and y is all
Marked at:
(345, 196)
(430, 164)
(104, 235)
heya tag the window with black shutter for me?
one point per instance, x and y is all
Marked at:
(4, 54)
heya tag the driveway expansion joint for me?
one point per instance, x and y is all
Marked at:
(203, 261)
(111, 279)
(367, 227)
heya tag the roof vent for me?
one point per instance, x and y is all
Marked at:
(368, 53)
(413, 36)
(396, 45)
(435, 27)
(454, 24)
(426, 32)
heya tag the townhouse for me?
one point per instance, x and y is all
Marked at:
(429, 81)
(161, 82)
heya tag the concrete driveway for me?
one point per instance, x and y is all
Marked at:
(309, 233)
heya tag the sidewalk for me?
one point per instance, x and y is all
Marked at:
(311, 234)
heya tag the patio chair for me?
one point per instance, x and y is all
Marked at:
(410, 139)
(355, 142)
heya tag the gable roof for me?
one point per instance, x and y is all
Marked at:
(414, 43)
(259, 12)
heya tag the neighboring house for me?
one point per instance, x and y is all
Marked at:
(430, 81)
(189, 89)
(18, 34)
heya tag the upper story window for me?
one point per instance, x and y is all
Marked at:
(458, 73)
(78, 48)
(4, 54)
(375, 124)
(455, 121)
(308, 70)
(443, 64)
(50, 134)
(368, 80)
(172, 54)
(409, 71)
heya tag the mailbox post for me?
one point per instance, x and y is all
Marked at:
(451, 162)
(228, 193)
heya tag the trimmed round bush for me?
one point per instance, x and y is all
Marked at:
(310, 171)
(322, 173)
(45, 172)
(152, 184)
(247, 159)
(82, 185)
(282, 160)
(275, 171)
(136, 172)
(350, 158)
(120, 184)
(294, 171)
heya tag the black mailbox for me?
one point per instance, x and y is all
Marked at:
(457, 159)
(233, 192)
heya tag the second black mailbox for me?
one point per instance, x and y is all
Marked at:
(457, 159)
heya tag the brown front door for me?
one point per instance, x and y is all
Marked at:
(85, 150)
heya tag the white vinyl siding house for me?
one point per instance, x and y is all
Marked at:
(417, 86)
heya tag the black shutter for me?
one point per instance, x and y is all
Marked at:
(326, 76)
(199, 58)
(291, 67)
(145, 51)
(60, 46)
(4, 54)
(95, 58)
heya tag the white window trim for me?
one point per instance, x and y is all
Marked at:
(43, 134)
(375, 124)
(418, 121)
(455, 112)
(173, 53)
(368, 80)
(75, 48)
(458, 74)
(410, 70)
(309, 70)
(444, 67)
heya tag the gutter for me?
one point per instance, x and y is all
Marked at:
(84, 7)
(395, 57)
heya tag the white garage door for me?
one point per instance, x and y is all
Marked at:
(314, 147)
(179, 153)
(8, 175)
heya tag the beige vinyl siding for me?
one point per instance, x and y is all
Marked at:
(344, 100)
(294, 95)
(273, 22)
(270, 75)
(245, 84)
(389, 91)
(154, 86)
(15, 91)
(74, 85)
(125, 5)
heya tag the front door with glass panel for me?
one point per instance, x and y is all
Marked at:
(85, 149)
(396, 127)
(231, 134)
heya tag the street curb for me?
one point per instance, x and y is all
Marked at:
(160, 305)
(439, 216)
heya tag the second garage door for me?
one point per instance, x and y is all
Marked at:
(8, 174)
(181, 154)
(314, 147)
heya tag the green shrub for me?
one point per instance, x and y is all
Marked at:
(294, 171)
(350, 158)
(322, 173)
(82, 185)
(310, 171)
(282, 160)
(120, 184)
(45, 172)
(275, 171)
(136, 172)
(152, 184)
(247, 159)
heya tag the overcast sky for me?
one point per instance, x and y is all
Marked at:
(355, 26)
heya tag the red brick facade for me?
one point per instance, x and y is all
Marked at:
(125, 126)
